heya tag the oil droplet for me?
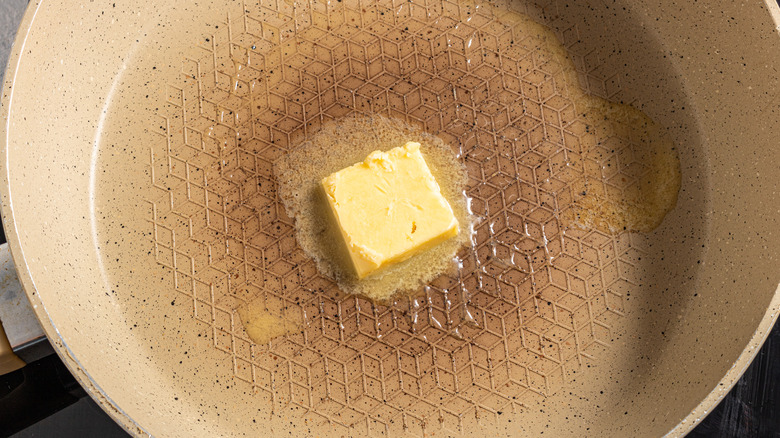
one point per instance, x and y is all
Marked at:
(262, 324)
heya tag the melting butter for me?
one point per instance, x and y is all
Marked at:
(628, 165)
(340, 144)
(388, 208)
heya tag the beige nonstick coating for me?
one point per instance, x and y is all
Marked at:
(110, 111)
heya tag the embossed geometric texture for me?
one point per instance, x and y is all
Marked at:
(533, 302)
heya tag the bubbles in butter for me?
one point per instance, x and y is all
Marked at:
(340, 144)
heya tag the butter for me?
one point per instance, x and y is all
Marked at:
(388, 208)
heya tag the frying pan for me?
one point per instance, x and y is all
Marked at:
(132, 237)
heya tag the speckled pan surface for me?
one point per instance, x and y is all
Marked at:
(126, 211)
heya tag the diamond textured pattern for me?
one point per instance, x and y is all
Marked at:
(533, 302)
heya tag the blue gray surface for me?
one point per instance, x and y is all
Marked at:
(10, 14)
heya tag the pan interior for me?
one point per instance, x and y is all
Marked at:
(545, 320)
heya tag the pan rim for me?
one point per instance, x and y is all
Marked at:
(14, 242)
(765, 326)
(738, 368)
(682, 428)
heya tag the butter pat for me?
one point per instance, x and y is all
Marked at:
(388, 208)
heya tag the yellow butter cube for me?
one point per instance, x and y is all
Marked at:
(388, 208)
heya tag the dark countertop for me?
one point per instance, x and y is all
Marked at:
(56, 406)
